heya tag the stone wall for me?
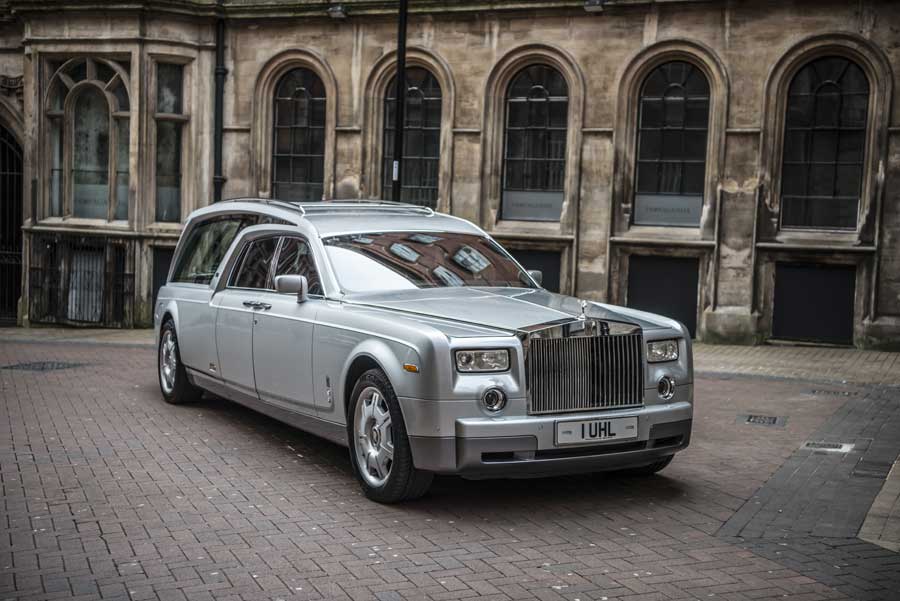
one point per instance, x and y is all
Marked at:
(743, 47)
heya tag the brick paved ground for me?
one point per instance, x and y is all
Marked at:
(107, 492)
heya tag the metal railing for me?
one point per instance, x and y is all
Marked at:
(81, 280)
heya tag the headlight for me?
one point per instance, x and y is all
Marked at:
(662, 350)
(476, 361)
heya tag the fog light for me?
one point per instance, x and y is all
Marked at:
(666, 388)
(494, 399)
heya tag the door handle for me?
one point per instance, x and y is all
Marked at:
(257, 305)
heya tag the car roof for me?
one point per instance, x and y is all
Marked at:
(335, 217)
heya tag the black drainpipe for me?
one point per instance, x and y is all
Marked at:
(218, 126)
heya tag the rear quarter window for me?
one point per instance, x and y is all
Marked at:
(206, 245)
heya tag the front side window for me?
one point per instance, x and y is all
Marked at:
(295, 258)
(534, 167)
(824, 145)
(205, 247)
(89, 120)
(372, 262)
(255, 265)
(673, 123)
(421, 138)
(298, 153)
(170, 123)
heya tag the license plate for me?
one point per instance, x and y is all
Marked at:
(596, 430)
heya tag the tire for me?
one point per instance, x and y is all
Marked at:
(173, 380)
(379, 446)
(648, 470)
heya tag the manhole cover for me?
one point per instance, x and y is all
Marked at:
(41, 366)
(830, 447)
(762, 420)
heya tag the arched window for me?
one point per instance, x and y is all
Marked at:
(673, 122)
(534, 167)
(824, 145)
(421, 138)
(89, 120)
(298, 147)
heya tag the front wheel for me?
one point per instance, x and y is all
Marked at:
(379, 445)
(173, 380)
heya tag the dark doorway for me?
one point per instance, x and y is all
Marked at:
(10, 226)
(162, 258)
(814, 303)
(665, 285)
(546, 261)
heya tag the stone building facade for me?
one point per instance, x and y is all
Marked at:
(733, 163)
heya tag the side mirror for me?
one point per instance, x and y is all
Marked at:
(537, 275)
(293, 284)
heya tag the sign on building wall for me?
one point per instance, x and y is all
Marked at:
(665, 209)
(532, 206)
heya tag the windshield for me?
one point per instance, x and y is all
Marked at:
(402, 260)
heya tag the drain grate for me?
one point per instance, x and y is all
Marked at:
(829, 447)
(833, 392)
(762, 420)
(41, 366)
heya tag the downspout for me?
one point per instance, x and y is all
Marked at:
(218, 124)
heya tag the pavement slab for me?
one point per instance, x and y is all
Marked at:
(110, 493)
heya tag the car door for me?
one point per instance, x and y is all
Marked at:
(283, 334)
(238, 305)
(200, 253)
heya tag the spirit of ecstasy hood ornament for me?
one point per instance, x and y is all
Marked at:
(584, 305)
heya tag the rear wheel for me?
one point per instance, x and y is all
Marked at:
(173, 380)
(379, 445)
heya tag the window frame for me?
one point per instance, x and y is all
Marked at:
(387, 135)
(184, 122)
(545, 160)
(877, 69)
(625, 142)
(58, 81)
(640, 128)
(309, 157)
(800, 67)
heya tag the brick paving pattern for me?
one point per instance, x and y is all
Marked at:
(109, 493)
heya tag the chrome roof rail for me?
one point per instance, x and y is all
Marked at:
(282, 204)
(329, 206)
(363, 204)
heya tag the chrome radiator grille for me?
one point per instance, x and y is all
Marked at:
(582, 373)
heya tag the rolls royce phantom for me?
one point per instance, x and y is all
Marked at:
(417, 341)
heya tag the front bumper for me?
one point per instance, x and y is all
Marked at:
(488, 447)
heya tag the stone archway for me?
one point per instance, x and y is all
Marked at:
(10, 225)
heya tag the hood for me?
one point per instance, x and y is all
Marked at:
(510, 309)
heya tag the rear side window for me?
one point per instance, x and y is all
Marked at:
(206, 246)
(255, 265)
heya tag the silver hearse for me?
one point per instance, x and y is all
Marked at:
(416, 340)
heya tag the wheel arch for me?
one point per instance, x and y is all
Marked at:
(390, 358)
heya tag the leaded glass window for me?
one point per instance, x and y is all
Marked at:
(95, 133)
(824, 145)
(673, 123)
(170, 125)
(90, 156)
(421, 138)
(534, 167)
(298, 152)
